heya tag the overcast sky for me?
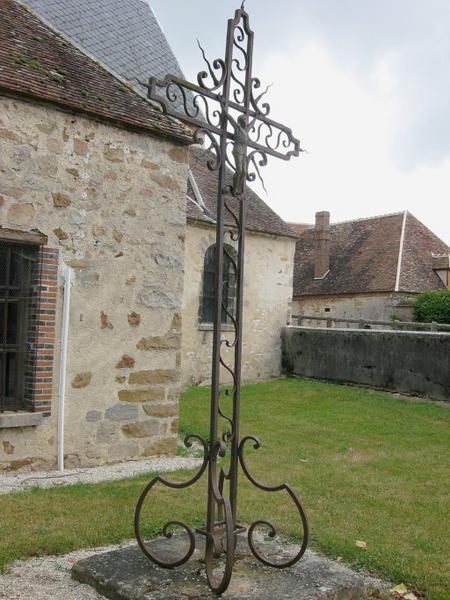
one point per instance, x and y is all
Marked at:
(364, 84)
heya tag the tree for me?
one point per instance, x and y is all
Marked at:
(432, 306)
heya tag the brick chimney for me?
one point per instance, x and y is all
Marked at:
(323, 243)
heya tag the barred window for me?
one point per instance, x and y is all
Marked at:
(229, 285)
(19, 291)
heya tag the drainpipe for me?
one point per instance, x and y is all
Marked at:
(67, 275)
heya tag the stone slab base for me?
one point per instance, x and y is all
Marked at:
(126, 574)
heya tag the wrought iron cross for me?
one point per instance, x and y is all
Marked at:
(225, 109)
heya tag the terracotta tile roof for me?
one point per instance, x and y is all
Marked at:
(259, 216)
(300, 228)
(126, 36)
(37, 63)
(123, 34)
(364, 258)
(417, 274)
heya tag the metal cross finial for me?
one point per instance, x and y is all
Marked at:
(226, 109)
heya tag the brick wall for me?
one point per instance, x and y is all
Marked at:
(45, 346)
(41, 333)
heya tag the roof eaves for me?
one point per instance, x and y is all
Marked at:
(359, 293)
(186, 139)
(196, 190)
(67, 108)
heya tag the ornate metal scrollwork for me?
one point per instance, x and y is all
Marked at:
(227, 111)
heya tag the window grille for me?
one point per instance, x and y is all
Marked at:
(229, 288)
(19, 302)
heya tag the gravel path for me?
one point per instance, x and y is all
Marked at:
(49, 577)
(13, 482)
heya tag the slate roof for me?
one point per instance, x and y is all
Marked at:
(364, 258)
(126, 36)
(37, 63)
(259, 216)
(123, 34)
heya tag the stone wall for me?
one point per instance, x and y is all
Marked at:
(370, 307)
(401, 361)
(113, 203)
(267, 303)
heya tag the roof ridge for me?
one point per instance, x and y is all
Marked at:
(395, 214)
(428, 229)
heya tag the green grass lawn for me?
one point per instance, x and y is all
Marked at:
(368, 466)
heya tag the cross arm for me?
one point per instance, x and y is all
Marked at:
(193, 104)
(186, 101)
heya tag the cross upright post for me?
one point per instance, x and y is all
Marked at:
(226, 110)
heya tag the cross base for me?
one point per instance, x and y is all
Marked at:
(218, 534)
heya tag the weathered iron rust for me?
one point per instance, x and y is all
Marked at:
(226, 110)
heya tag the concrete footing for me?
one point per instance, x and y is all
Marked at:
(126, 574)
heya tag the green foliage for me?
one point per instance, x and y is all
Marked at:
(432, 306)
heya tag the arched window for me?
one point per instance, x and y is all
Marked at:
(229, 284)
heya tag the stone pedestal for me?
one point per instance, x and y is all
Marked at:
(125, 574)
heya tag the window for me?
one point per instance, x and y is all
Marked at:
(444, 276)
(229, 285)
(19, 279)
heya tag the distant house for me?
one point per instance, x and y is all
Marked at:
(127, 38)
(368, 268)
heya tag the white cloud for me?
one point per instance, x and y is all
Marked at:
(349, 125)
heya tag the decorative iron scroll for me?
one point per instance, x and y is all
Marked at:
(229, 115)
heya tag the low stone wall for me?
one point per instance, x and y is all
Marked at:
(401, 361)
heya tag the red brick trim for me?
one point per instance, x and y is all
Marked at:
(41, 384)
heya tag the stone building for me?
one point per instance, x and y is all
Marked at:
(127, 37)
(369, 269)
(92, 178)
(270, 247)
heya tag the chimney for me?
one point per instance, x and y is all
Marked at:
(323, 242)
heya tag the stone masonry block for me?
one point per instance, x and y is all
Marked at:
(122, 412)
(153, 376)
(169, 409)
(147, 395)
(142, 429)
(166, 445)
(168, 342)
